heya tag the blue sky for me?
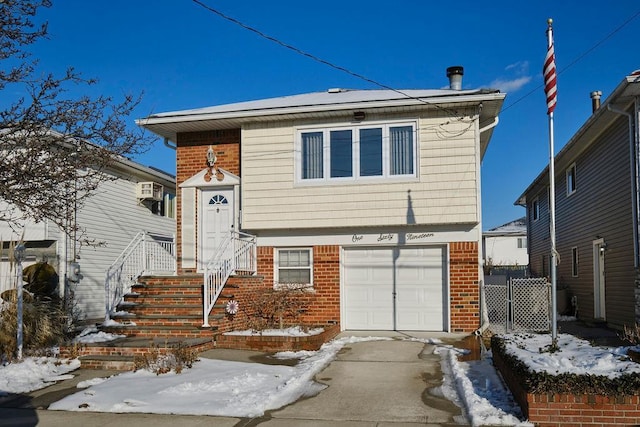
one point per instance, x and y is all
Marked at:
(183, 56)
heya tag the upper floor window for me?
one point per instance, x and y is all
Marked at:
(571, 179)
(522, 242)
(165, 207)
(535, 209)
(357, 152)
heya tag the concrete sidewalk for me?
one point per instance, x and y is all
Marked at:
(369, 384)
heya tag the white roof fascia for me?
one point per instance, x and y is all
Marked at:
(206, 114)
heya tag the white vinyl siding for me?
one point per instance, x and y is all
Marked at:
(444, 190)
(110, 219)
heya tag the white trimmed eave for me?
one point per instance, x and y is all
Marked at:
(168, 126)
(621, 98)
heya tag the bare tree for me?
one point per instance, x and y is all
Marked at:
(54, 148)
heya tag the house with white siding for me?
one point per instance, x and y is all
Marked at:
(597, 211)
(505, 246)
(135, 200)
(368, 198)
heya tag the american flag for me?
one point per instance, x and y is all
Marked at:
(550, 82)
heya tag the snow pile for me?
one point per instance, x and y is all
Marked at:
(34, 373)
(295, 331)
(575, 356)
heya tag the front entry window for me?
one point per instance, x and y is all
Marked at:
(218, 199)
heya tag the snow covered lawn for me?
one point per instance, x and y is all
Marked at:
(225, 388)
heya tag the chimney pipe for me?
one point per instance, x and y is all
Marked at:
(455, 77)
(595, 100)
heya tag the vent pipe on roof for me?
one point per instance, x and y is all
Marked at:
(595, 100)
(455, 77)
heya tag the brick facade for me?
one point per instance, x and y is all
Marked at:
(191, 158)
(191, 153)
(464, 286)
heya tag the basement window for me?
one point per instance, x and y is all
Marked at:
(293, 268)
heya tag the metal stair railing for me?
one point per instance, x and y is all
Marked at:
(147, 253)
(236, 254)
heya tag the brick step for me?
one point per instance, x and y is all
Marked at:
(120, 354)
(155, 331)
(167, 290)
(183, 279)
(166, 299)
(181, 321)
(167, 310)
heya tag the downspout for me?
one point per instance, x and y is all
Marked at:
(167, 143)
(633, 151)
(484, 318)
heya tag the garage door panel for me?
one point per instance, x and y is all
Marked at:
(419, 277)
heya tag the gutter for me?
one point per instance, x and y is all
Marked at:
(633, 154)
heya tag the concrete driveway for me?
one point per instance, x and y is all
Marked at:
(369, 384)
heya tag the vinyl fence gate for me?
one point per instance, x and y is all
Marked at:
(521, 305)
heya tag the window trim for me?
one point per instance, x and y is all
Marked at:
(570, 178)
(522, 243)
(276, 268)
(535, 209)
(574, 261)
(356, 178)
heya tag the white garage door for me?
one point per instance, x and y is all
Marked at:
(416, 273)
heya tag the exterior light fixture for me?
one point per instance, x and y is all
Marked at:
(211, 157)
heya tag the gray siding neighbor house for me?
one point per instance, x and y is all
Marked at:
(596, 187)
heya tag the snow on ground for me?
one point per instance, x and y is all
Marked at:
(296, 331)
(35, 373)
(575, 356)
(225, 388)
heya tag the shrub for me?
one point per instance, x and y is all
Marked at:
(543, 382)
(163, 360)
(44, 325)
(275, 308)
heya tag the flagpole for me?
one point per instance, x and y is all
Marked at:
(552, 192)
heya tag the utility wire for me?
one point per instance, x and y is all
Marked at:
(577, 59)
(320, 60)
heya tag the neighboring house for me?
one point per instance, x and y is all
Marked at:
(136, 199)
(596, 188)
(505, 246)
(370, 198)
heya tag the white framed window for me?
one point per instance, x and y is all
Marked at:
(571, 179)
(293, 267)
(522, 242)
(574, 261)
(535, 209)
(357, 153)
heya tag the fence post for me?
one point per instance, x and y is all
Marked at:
(19, 256)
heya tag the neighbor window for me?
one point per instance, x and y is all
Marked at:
(522, 242)
(294, 267)
(357, 152)
(571, 180)
(535, 209)
(574, 262)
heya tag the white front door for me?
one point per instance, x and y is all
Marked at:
(216, 221)
(598, 280)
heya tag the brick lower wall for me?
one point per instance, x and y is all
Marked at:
(464, 286)
(579, 410)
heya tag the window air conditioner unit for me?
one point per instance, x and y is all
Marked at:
(149, 191)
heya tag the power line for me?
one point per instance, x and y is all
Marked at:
(322, 61)
(577, 59)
